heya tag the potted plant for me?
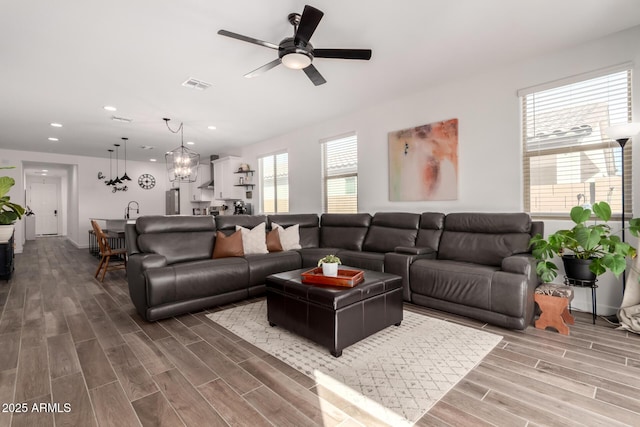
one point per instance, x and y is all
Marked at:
(587, 251)
(9, 212)
(329, 265)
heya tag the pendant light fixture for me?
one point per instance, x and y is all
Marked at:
(110, 182)
(117, 180)
(125, 177)
(182, 163)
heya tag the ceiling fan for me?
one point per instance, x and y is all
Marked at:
(297, 52)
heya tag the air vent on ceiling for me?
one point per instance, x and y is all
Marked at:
(147, 147)
(196, 84)
(121, 119)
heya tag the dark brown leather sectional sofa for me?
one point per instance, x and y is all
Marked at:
(473, 264)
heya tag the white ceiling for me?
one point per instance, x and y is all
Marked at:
(63, 61)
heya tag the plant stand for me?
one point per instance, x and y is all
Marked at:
(553, 301)
(585, 284)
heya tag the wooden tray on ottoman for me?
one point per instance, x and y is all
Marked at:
(345, 278)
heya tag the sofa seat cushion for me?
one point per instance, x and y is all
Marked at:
(360, 259)
(454, 281)
(311, 256)
(262, 265)
(195, 279)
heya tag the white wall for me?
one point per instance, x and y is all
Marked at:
(88, 197)
(490, 161)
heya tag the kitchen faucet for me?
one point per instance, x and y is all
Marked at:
(126, 211)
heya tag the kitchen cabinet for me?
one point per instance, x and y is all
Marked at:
(197, 194)
(225, 180)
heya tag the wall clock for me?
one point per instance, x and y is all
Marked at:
(147, 181)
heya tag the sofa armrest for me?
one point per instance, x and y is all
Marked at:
(512, 288)
(399, 263)
(137, 265)
(519, 264)
(414, 250)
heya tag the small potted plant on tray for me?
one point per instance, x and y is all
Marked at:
(329, 265)
(592, 249)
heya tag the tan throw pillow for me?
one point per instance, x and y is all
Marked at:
(273, 241)
(289, 237)
(228, 246)
(253, 241)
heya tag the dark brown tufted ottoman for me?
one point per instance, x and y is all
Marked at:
(334, 317)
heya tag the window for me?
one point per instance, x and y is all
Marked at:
(568, 159)
(274, 183)
(340, 174)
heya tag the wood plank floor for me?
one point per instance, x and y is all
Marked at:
(66, 338)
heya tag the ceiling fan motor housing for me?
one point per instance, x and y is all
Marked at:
(288, 46)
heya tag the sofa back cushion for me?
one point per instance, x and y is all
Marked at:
(309, 231)
(391, 229)
(344, 231)
(484, 238)
(178, 238)
(227, 223)
(431, 226)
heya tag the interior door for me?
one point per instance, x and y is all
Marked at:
(43, 201)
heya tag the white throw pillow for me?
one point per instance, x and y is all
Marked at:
(289, 237)
(254, 241)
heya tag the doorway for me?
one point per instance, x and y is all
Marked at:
(43, 201)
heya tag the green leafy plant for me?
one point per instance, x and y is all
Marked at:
(9, 212)
(593, 242)
(329, 259)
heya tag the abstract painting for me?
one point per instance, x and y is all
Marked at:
(423, 162)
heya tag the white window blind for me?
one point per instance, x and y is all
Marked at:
(340, 174)
(568, 157)
(274, 183)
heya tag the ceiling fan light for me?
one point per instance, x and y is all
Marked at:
(296, 61)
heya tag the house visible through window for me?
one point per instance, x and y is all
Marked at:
(274, 183)
(568, 158)
(340, 174)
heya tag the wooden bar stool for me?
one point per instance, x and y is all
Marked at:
(553, 301)
(107, 253)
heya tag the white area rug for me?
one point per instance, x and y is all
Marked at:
(396, 375)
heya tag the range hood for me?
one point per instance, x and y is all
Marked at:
(209, 184)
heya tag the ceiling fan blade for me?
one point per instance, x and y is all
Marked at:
(247, 39)
(263, 69)
(308, 23)
(314, 75)
(364, 54)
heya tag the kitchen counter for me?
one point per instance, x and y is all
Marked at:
(115, 224)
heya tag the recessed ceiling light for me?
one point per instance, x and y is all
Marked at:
(45, 170)
(56, 125)
(211, 127)
(190, 143)
(53, 139)
(110, 108)
(44, 174)
(152, 160)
